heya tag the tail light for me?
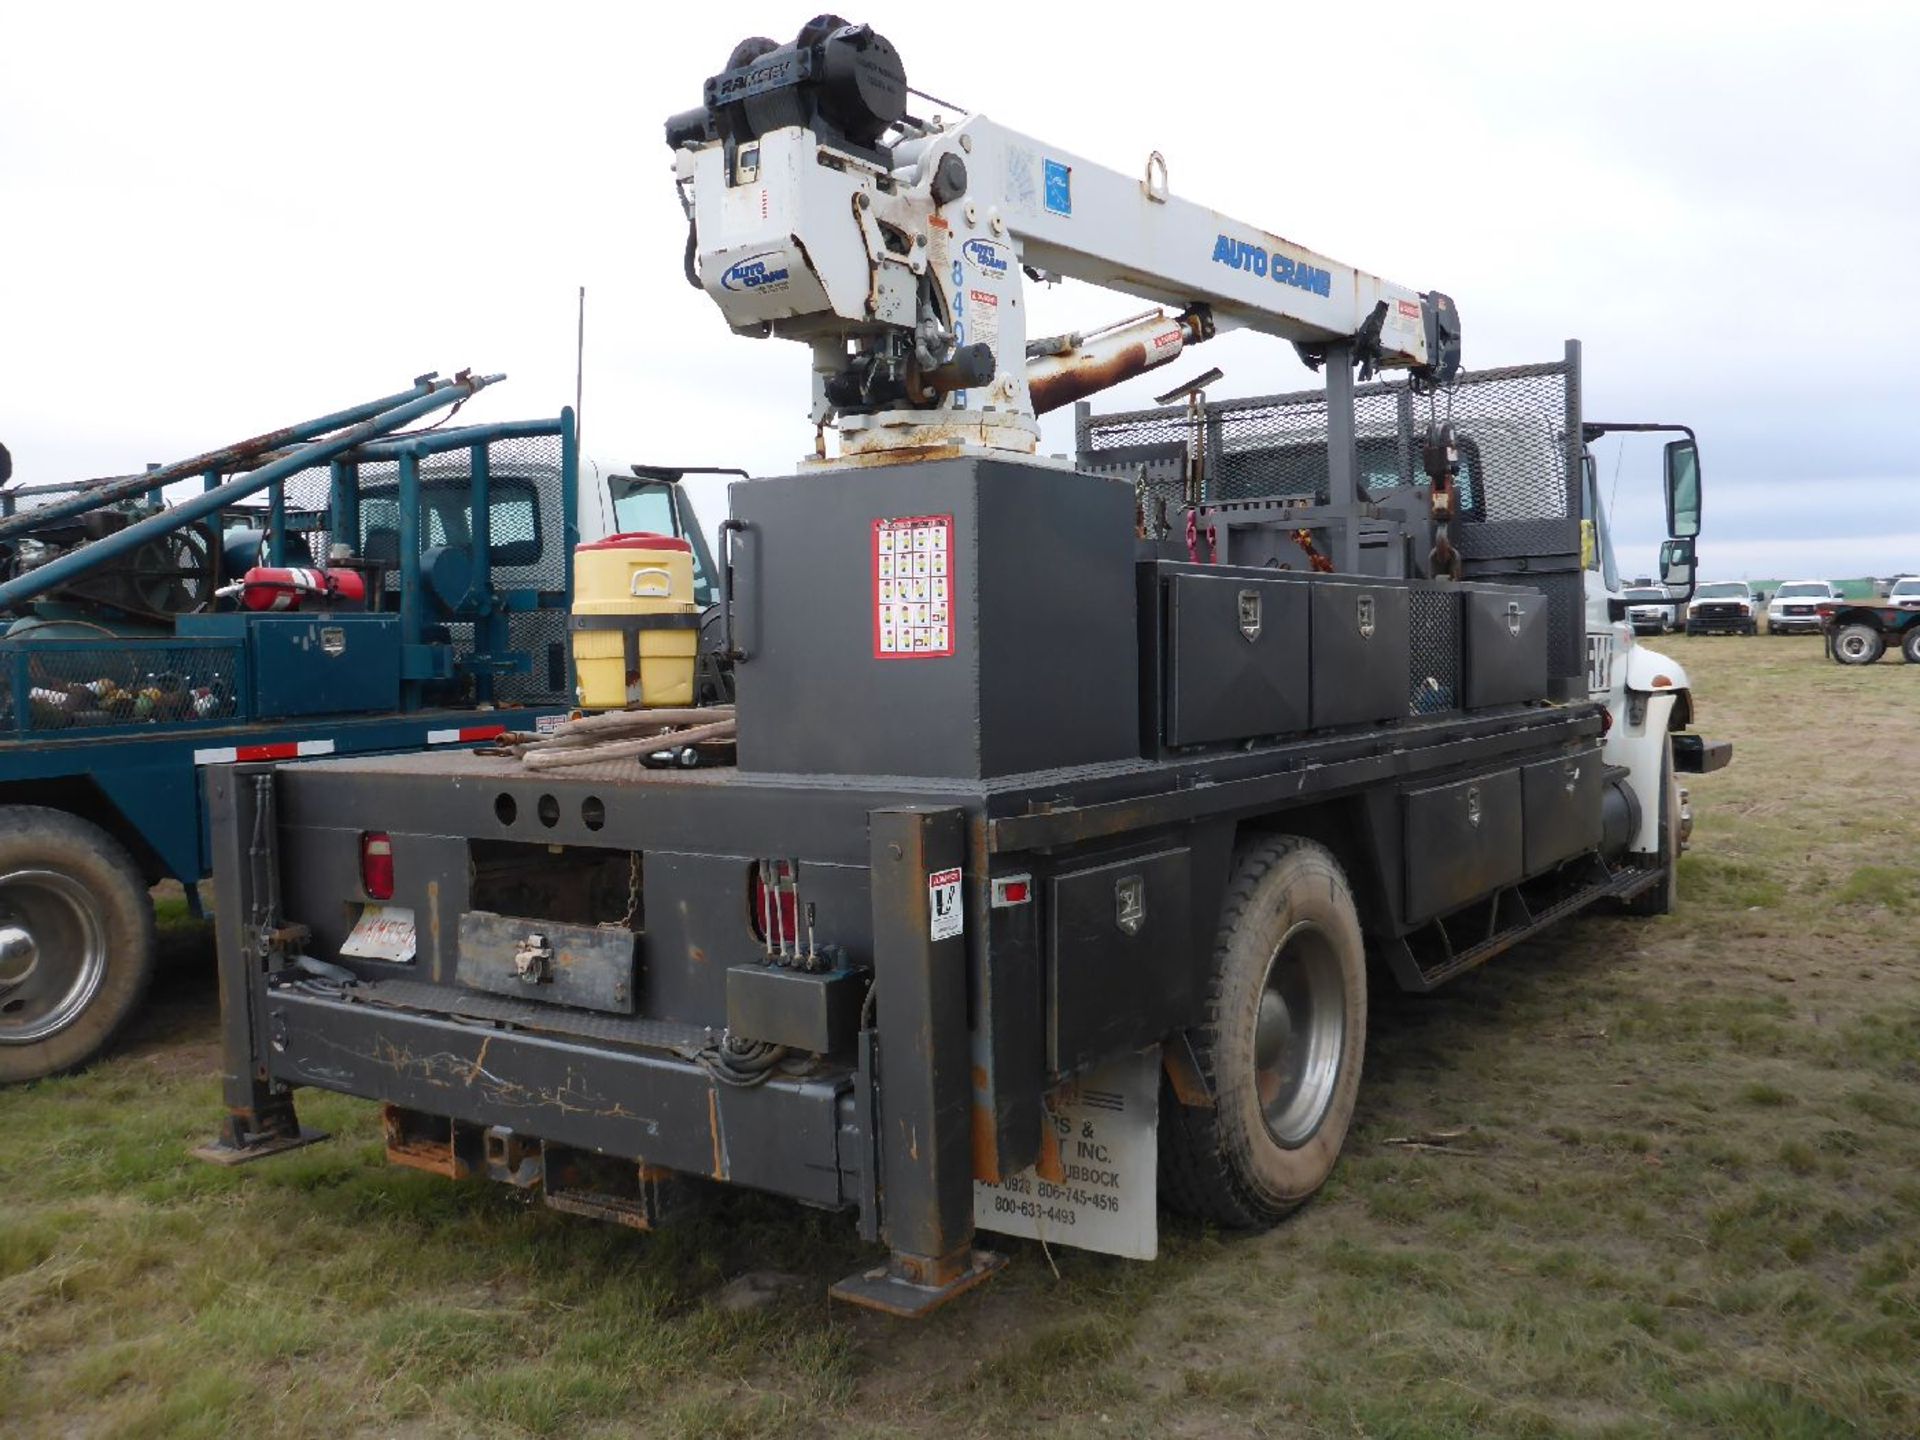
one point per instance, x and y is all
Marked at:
(376, 864)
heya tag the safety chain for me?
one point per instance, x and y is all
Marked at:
(633, 889)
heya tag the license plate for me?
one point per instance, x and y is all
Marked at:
(383, 932)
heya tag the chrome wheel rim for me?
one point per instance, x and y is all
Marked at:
(53, 953)
(1298, 1031)
(1853, 646)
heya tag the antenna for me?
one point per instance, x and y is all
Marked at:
(579, 366)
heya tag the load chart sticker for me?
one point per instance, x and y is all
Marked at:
(1095, 1186)
(912, 595)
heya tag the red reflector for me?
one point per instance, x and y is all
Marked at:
(1606, 721)
(376, 865)
(1012, 890)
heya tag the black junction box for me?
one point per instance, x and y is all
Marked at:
(819, 1013)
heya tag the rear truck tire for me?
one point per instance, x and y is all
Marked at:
(1279, 1044)
(1910, 645)
(1663, 895)
(1858, 644)
(76, 941)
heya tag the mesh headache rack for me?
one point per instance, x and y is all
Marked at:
(1259, 467)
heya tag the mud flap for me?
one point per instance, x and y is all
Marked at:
(1095, 1186)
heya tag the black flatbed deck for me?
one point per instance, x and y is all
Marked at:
(1039, 809)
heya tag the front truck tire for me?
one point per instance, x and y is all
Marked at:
(76, 941)
(1279, 1043)
(1910, 644)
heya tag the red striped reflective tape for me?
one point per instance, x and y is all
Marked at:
(279, 750)
(465, 734)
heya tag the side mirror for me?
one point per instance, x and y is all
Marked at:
(1676, 567)
(1683, 488)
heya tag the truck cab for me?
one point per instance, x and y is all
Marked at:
(1648, 695)
(636, 498)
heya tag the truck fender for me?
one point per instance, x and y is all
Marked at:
(1642, 748)
(1650, 673)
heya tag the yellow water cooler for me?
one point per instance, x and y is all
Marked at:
(635, 626)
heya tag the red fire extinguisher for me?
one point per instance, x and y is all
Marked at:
(270, 587)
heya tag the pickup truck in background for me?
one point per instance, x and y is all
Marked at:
(1795, 607)
(1723, 607)
(1651, 611)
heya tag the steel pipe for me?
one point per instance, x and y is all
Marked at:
(65, 568)
(228, 457)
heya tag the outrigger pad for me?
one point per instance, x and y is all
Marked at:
(882, 1289)
(245, 1137)
(222, 1151)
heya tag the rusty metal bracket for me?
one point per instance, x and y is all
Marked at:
(1184, 1073)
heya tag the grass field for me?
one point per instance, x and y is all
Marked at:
(1685, 1200)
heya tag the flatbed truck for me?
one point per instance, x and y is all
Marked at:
(1071, 802)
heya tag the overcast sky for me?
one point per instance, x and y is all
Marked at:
(219, 219)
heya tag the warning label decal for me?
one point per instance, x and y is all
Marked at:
(943, 903)
(912, 576)
(983, 309)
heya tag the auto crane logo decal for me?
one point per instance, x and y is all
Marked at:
(1281, 269)
(986, 256)
(1363, 613)
(765, 271)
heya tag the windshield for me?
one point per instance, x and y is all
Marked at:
(1907, 587)
(1722, 590)
(1254, 467)
(648, 506)
(1805, 587)
(446, 518)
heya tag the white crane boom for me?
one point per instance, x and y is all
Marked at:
(821, 212)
